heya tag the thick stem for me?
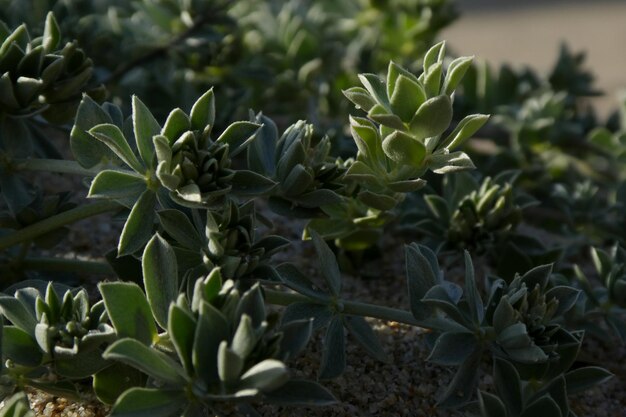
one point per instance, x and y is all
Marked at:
(54, 264)
(51, 223)
(354, 308)
(54, 165)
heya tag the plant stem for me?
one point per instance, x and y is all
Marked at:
(354, 308)
(56, 221)
(55, 264)
(54, 165)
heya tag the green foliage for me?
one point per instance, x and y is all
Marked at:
(47, 333)
(519, 324)
(223, 350)
(607, 301)
(203, 200)
(470, 214)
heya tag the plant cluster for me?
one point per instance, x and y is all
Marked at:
(187, 321)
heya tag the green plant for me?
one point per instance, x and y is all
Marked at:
(192, 333)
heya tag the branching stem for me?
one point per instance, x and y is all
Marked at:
(51, 223)
(54, 165)
(354, 308)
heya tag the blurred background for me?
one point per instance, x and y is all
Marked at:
(529, 33)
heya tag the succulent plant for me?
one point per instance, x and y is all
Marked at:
(307, 177)
(608, 300)
(219, 348)
(519, 322)
(227, 239)
(49, 334)
(518, 398)
(474, 215)
(39, 78)
(178, 162)
(17, 406)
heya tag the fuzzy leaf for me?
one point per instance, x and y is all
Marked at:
(452, 349)
(328, 263)
(464, 130)
(88, 152)
(149, 402)
(456, 72)
(334, 351)
(113, 137)
(582, 379)
(160, 277)
(203, 111)
(148, 360)
(129, 311)
(432, 118)
(421, 278)
(138, 227)
(403, 148)
(117, 185)
(145, 128)
(238, 135)
(363, 333)
(178, 226)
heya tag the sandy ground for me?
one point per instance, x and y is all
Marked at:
(529, 32)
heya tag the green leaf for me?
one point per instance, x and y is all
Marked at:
(145, 128)
(145, 402)
(178, 226)
(138, 227)
(160, 277)
(475, 303)
(434, 55)
(117, 185)
(404, 149)
(456, 72)
(508, 385)
(463, 385)
(377, 89)
(365, 336)
(452, 349)
(176, 124)
(407, 97)
(328, 263)
(88, 152)
(581, 379)
(543, 407)
(51, 33)
(249, 183)
(295, 336)
(148, 360)
(301, 392)
(181, 329)
(490, 405)
(421, 277)
(262, 150)
(360, 97)
(211, 330)
(450, 162)
(334, 350)
(113, 137)
(267, 375)
(238, 135)
(320, 313)
(464, 130)
(432, 118)
(129, 311)
(203, 111)
(229, 364)
(17, 313)
(297, 281)
(17, 406)
(20, 347)
(111, 382)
